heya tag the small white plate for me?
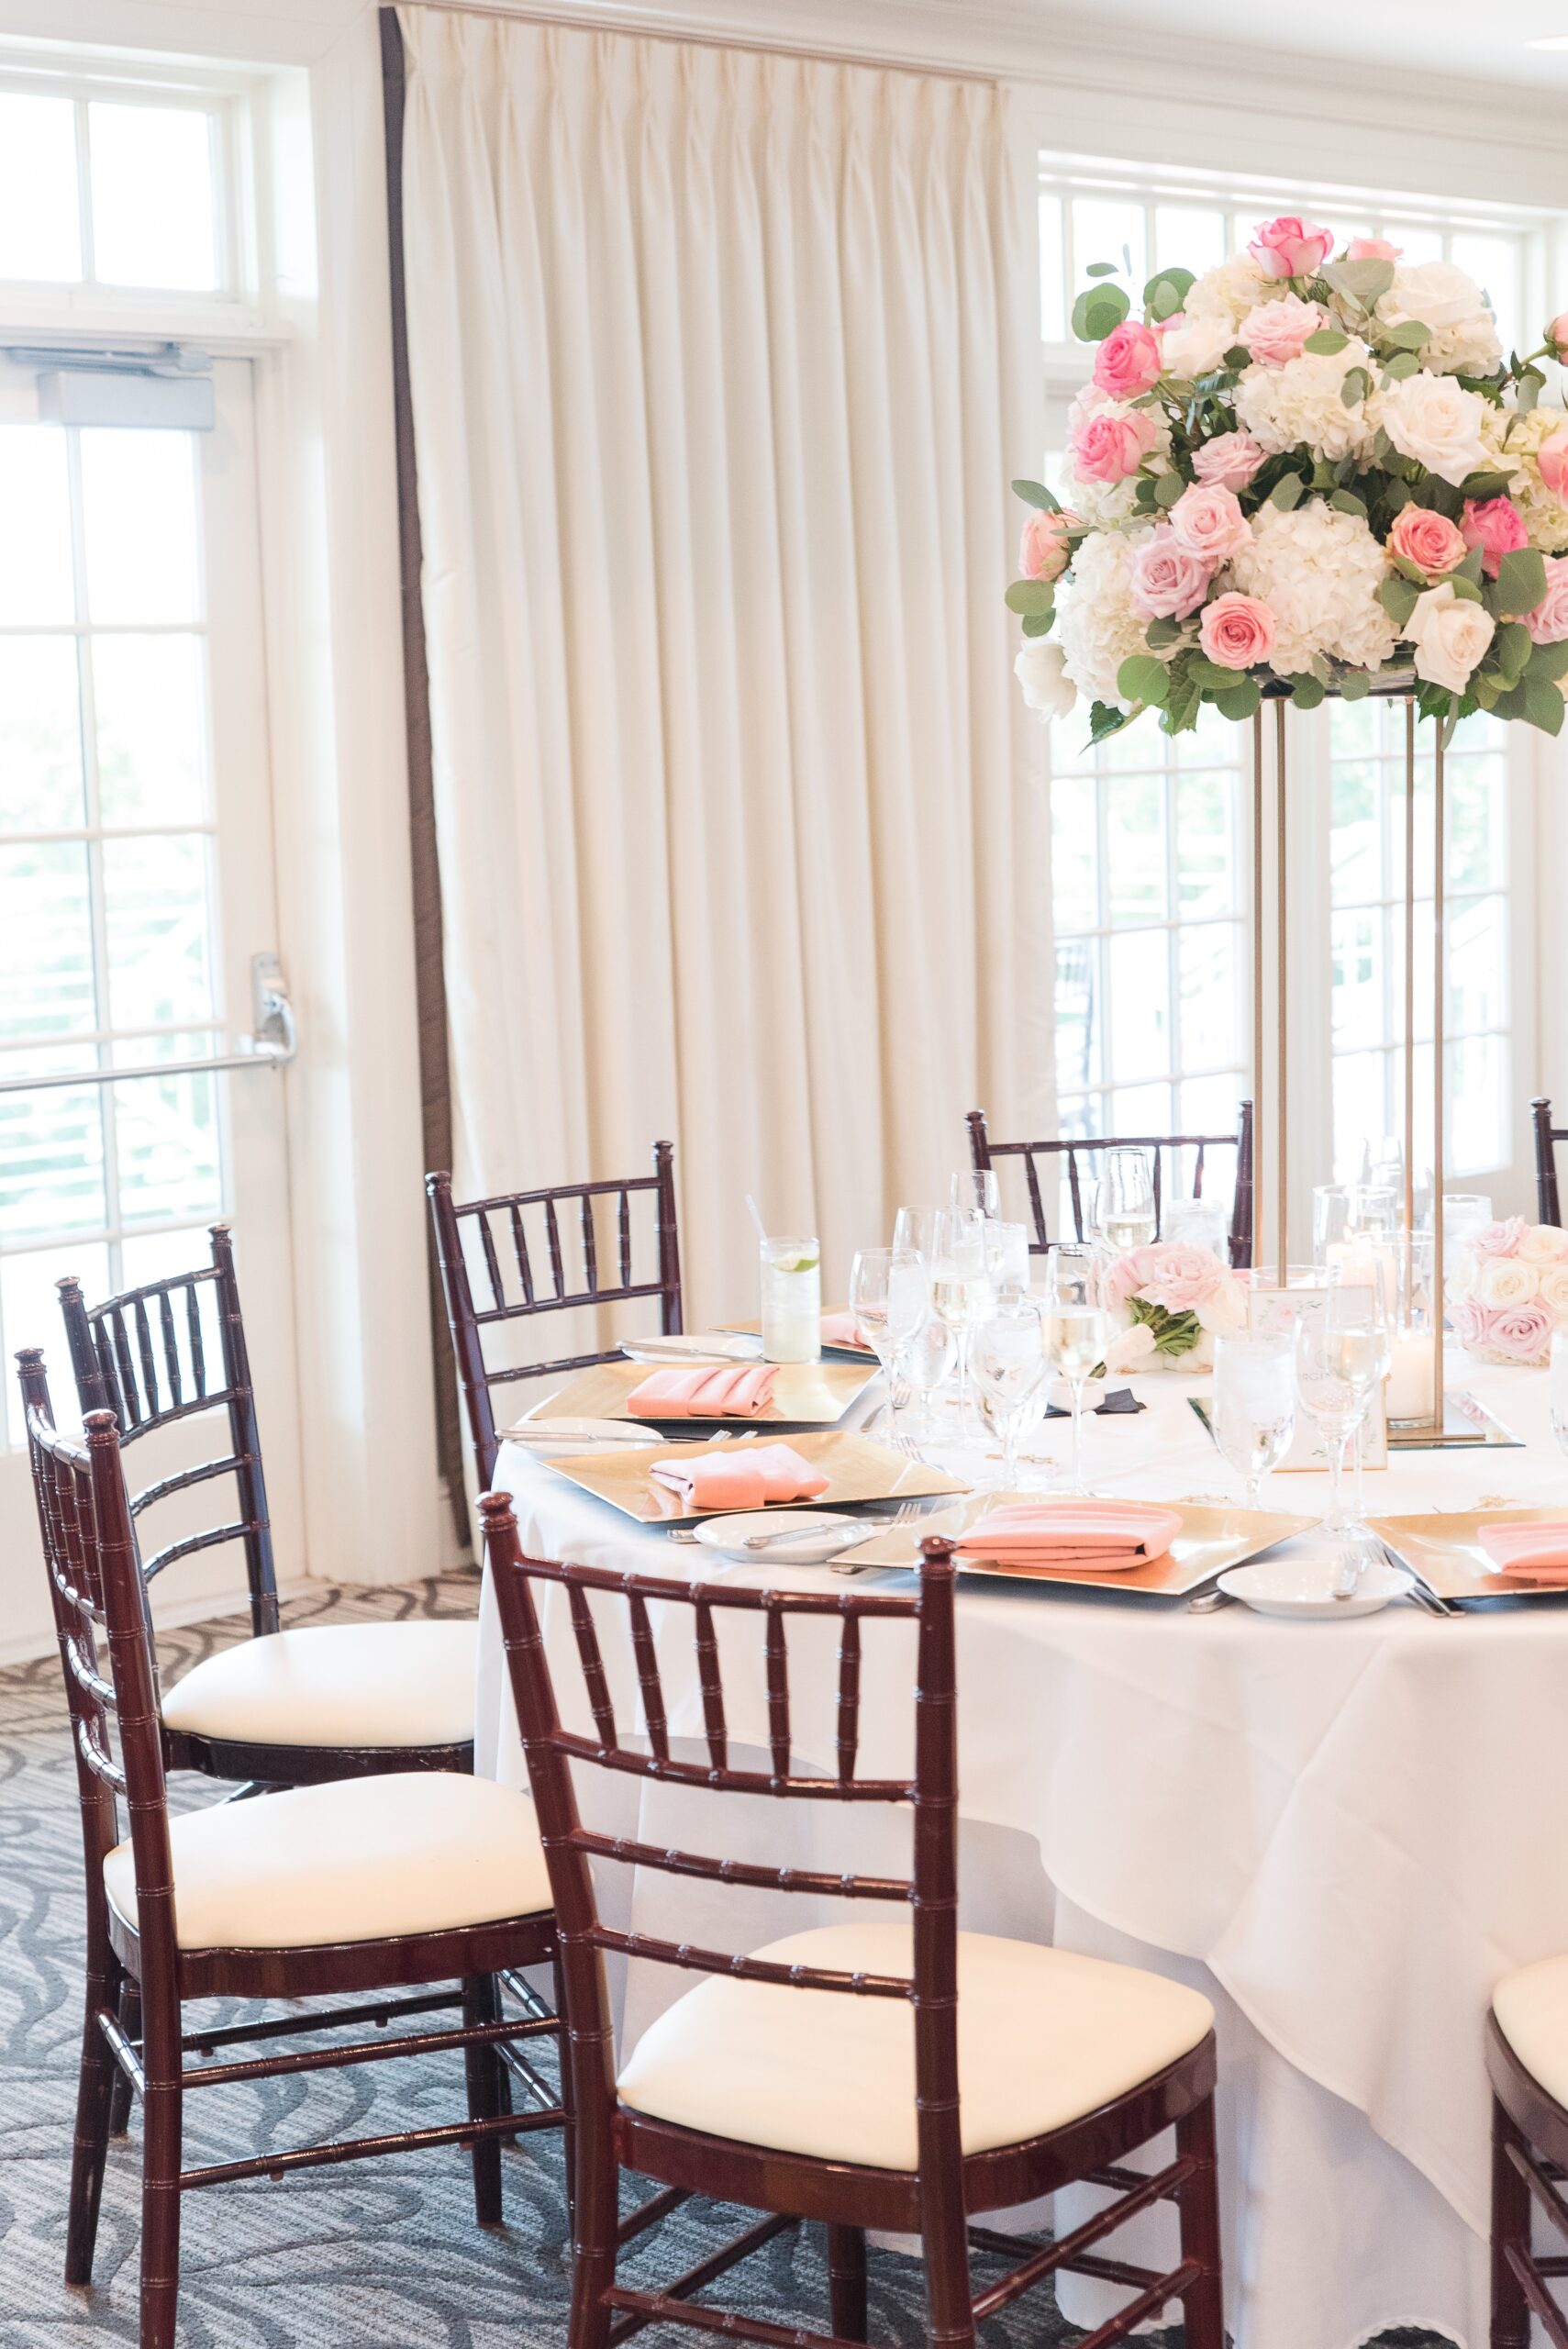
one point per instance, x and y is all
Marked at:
(717, 1345)
(824, 1533)
(1301, 1589)
(546, 1437)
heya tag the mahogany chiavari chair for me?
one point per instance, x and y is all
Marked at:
(749, 2090)
(1527, 2061)
(984, 1152)
(283, 1707)
(1546, 1136)
(519, 1293)
(368, 1884)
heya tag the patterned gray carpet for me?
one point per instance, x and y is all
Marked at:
(381, 2254)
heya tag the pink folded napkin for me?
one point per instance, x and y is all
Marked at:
(1536, 1552)
(748, 1476)
(839, 1329)
(705, 1392)
(1109, 1537)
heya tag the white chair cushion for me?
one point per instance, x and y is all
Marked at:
(1531, 2007)
(1044, 2036)
(341, 1683)
(414, 1852)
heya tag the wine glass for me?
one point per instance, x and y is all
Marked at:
(1127, 1214)
(889, 1298)
(924, 1360)
(1343, 1355)
(976, 1188)
(915, 1228)
(1075, 1330)
(1009, 1369)
(1255, 1405)
(1007, 1250)
(960, 1292)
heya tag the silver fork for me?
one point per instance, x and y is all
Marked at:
(907, 1513)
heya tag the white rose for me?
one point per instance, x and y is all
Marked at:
(1463, 336)
(1196, 346)
(1449, 636)
(1132, 1346)
(1040, 670)
(1503, 1281)
(1438, 422)
(1221, 1312)
(1552, 1291)
(1543, 1243)
(1460, 1281)
(1228, 292)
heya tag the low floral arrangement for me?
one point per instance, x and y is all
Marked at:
(1509, 1291)
(1306, 472)
(1181, 1297)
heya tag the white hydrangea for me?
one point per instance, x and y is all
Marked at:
(1302, 406)
(1095, 622)
(1516, 443)
(1318, 571)
(1463, 338)
(1228, 292)
(1197, 346)
(1109, 505)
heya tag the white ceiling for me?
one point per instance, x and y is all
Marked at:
(1447, 37)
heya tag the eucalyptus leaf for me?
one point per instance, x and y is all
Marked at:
(1177, 281)
(1354, 685)
(1161, 632)
(1521, 580)
(1488, 483)
(1530, 386)
(1101, 269)
(1327, 341)
(1355, 387)
(1544, 704)
(1287, 492)
(1363, 282)
(1241, 699)
(1035, 492)
(1466, 591)
(1512, 648)
(1099, 311)
(1470, 567)
(1142, 678)
(1237, 357)
(1039, 623)
(1398, 599)
(1549, 661)
(1306, 691)
(1031, 598)
(1403, 364)
(1511, 704)
(1345, 501)
(1168, 487)
(1409, 335)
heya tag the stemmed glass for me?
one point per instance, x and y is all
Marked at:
(1127, 1213)
(1009, 1369)
(960, 1291)
(915, 1228)
(925, 1361)
(1343, 1355)
(1255, 1405)
(890, 1298)
(1006, 1251)
(1075, 1330)
(976, 1188)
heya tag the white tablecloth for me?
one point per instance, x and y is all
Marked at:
(1343, 1832)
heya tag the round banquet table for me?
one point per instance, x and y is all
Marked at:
(1342, 1833)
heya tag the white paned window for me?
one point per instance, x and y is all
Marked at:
(115, 189)
(1152, 838)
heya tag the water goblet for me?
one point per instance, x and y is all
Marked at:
(1009, 1370)
(1127, 1217)
(1343, 1355)
(1076, 1329)
(924, 1360)
(960, 1291)
(1006, 1251)
(915, 1228)
(889, 1296)
(975, 1188)
(1255, 1405)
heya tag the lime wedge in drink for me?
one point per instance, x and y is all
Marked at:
(796, 1263)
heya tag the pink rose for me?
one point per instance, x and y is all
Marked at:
(1523, 1332)
(1182, 1277)
(1290, 247)
(1429, 540)
(1109, 447)
(1236, 631)
(1230, 460)
(1129, 1272)
(1469, 1322)
(1557, 334)
(1275, 331)
(1127, 361)
(1553, 459)
(1372, 249)
(1497, 526)
(1168, 580)
(1045, 551)
(1549, 622)
(1207, 522)
(1497, 1238)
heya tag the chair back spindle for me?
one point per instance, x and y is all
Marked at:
(143, 1355)
(1549, 1206)
(986, 1154)
(574, 1206)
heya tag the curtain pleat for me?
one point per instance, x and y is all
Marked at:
(720, 365)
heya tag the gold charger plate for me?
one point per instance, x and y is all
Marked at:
(837, 1354)
(1211, 1539)
(805, 1394)
(856, 1466)
(1443, 1550)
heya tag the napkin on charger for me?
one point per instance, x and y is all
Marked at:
(705, 1392)
(1536, 1552)
(1110, 1536)
(839, 1329)
(747, 1476)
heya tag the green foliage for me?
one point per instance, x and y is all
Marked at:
(1354, 684)
(1362, 283)
(1348, 502)
(1544, 704)
(1105, 719)
(1485, 485)
(1409, 335)
(1142, 677)
(1403, 364)
(1038, 623)
(1306, 692)
(1168, 487)
(1174, 1334)
(1239, 699)
(1327, 341)
(1183, 696)
(1287, 491)
(1511, 649)
(1356, 386)
(1035, 492)
(1101, 269)
(1161, 632)
(1466, 590)
(1031, 598)
(1398, 599)
(1520, 583)
(1549, 661)
(1099, 311)
(1165, 292)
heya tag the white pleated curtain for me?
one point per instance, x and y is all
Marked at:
(721, 363)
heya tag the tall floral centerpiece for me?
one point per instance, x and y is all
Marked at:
(1308, 470)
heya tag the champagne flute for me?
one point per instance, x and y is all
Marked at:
(1126, 1217)
(960, 1293)
(915, 1228)
(1075, 1330)
(1341, 1353)
(976, 1188)
(1255, 1405)
(1009, 1369)
(889, 1296)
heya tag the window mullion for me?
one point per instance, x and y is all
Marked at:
(97, 908)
